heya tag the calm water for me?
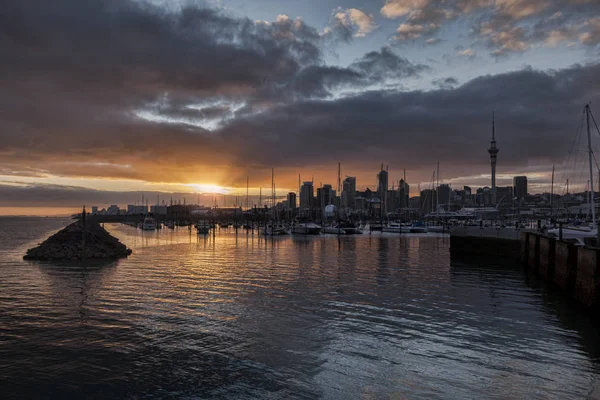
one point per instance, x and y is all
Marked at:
(241, 317)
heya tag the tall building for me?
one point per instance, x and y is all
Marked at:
(306, 195)
(382, 184)
(403, 194)
(428, 200)
(467, 192)
(504, 195)
(291, 200)
(493, 150)
(325, 196)
(520, 186)
(443, 194)
(349, 192)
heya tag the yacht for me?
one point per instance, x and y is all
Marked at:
(580, 236)
(149, 224)
(305, 228)
(393, 227)
(274, 229)
(343, 228)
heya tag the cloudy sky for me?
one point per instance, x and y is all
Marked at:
(127, 96)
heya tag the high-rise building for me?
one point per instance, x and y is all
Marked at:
(467, 192)
(443, 194)
(382, 184)
(306, 195)
(493, 150)
(504, 195)
(428, 200)
(520, 186)
(349, 192)
(291, 200)
(325, 196)
(403, 194)
(390, 201)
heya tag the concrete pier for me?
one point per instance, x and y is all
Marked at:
(533, 253)
(565, 266)
(547, 250)
(586, 281)
(573, 268)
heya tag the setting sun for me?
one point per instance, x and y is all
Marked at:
(209, 188)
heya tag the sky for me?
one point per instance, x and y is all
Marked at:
(102, 101)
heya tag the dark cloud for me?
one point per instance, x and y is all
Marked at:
(386, 65)
(127, 90)
(445, 83)
(535, 111)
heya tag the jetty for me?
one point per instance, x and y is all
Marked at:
(81, 240)
(573, 268)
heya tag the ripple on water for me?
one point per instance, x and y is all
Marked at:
(239, 316)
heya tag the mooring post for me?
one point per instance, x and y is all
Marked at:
(560, 231)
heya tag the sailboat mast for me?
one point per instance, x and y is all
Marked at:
(433, 191)
(552, 193)
(247, 197)
(437, 190)
(587, 115)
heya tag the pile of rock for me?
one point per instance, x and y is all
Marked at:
(71, 243)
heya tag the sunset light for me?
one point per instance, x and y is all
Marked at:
(300, 199)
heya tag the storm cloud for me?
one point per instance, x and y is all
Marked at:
(130, 90)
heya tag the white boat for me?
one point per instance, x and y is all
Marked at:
(343, 228)
(149, 224)
(305, 228)
(414, 228)
(274, 229)
(393, 227)
(578, 235)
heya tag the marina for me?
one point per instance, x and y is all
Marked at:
(241, 315)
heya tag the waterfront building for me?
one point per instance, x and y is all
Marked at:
(520, 186)
(403, 194)
(349, 192)
(291, 200)
(443, 194)
(427, 201)
(307, 195)
(382, 184)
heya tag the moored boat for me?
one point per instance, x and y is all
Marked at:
(149, 224)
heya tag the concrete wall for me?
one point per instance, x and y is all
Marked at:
(533, 253)
(524, 240)
(547, 250)
(489, 232)
(486, 247)
(565, 266)
(586, 281)
(574, 269)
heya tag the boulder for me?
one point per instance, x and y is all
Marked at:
(68, 244)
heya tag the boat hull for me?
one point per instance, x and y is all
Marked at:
(306, 230)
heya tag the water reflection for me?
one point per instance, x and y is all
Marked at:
(242, 316)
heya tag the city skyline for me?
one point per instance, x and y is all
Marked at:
(187, 97)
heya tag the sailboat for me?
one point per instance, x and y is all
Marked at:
(583, 235)
(274, 227)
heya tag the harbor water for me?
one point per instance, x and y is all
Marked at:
(239, 316)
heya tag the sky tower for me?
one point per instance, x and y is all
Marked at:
(493, 150)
